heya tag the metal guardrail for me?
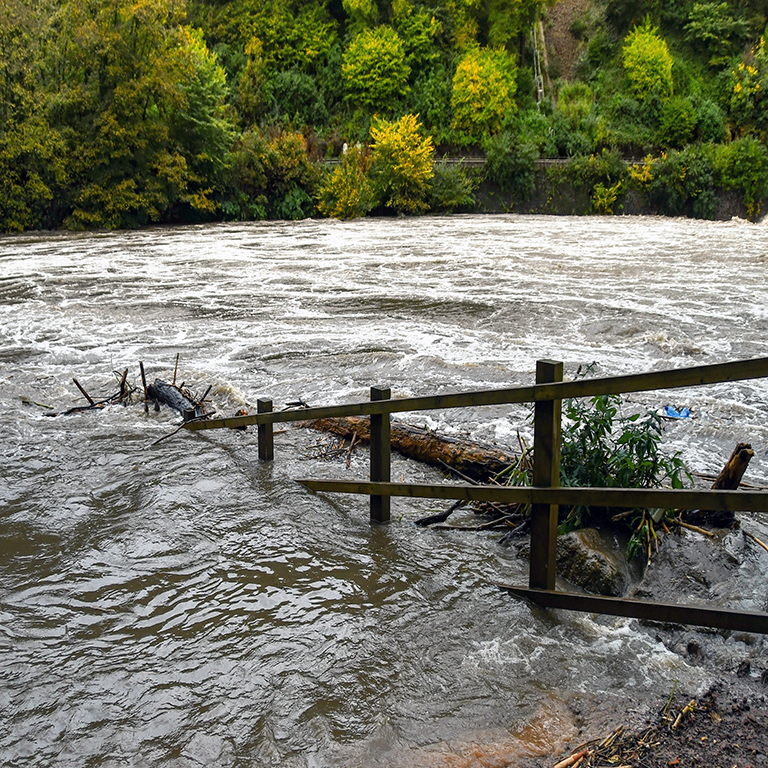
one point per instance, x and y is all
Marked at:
(545, 496)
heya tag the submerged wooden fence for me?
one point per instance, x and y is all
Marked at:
(545, 496)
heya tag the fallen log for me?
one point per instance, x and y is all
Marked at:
(176, 398)
(474, 460)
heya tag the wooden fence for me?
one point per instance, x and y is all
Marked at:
(545, 496)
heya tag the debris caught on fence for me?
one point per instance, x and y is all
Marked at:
(471, 459)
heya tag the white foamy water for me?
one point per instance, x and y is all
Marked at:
(183, 605)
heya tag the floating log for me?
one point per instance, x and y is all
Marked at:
(174, 397)
(474, 460)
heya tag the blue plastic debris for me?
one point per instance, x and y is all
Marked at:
(673, 413)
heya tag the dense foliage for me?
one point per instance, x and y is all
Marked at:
(119, 113)
(603, 448)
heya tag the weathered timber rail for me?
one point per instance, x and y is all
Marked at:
(545, 496)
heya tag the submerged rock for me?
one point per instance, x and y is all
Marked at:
(590, 560)
(586, 559)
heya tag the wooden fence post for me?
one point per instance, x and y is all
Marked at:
(546, 473)
(380, 456)
(266, 438)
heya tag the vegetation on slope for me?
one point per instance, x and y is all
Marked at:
(118, 113)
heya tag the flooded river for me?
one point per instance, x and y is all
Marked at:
(180, 604)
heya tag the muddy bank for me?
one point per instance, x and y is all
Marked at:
(725, 725)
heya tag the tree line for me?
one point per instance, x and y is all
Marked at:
(120, 113)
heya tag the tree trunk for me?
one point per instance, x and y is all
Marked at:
(728, 480)
(473, 460)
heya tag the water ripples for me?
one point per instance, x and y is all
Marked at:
(180, 604)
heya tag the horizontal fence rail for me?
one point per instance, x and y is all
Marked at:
(668, 613)
(668, 379)
(627, 498)
(545, 496)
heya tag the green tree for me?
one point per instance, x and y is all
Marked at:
(347, 192)
(141, 99)
(418, 30)
(401, 164)
(198, 121)
(33, 152)
(648, 63)
(713, 27)
(483, 93)
(748, 103)
(375, 70)
(361, 14)
(290, 33)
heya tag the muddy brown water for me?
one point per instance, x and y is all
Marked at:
(183, 605)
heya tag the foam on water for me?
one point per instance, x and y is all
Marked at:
(178, 603)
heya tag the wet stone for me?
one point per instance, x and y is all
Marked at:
(590, 560)
(586, 559)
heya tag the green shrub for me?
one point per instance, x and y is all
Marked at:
(532, 128)
(633, 126)
(347, 192)
(710, 122)
(743, 165)
(511, 164)
(600, 49)
(483, 93)
(648, 63)
(401, 164)
(604, 198)
(570, 140)
(603, 176)
(683, 183)
(375, 70)
(606, 168)
(678, 123)
(575, 102)
(748, 104)
(713, 28)
(451, 190)
(272, 177)
(602, 448)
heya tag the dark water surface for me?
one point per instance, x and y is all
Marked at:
(180, 604)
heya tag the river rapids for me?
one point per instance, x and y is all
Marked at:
(179, 604)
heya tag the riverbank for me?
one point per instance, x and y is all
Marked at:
(557, 191)
(724, 726)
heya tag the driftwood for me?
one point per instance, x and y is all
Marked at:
(122, 396)
(176, 398)
(731, 474)
(729, 479)
(470, 459)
